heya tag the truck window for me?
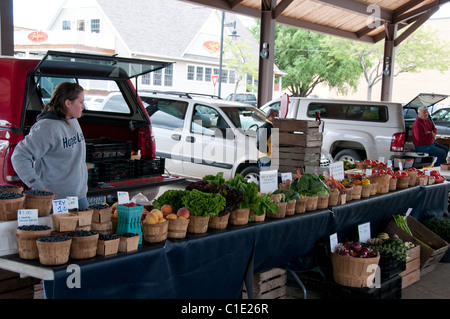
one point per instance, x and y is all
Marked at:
(166, 114)
(355, 112)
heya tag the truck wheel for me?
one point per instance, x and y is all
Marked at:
(251, 173)
(348, 155)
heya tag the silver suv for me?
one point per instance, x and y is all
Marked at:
(200, 135)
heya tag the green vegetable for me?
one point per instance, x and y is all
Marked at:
(289, 194)
(248, 190)
(170, 197)
(215, 179)
(439, 226)
(392, 247)
(401, 222)
(203, 204)
(309, 185)
(264, 204)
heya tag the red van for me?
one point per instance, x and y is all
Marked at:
(120, 146)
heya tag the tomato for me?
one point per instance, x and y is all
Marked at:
(412, 169)
(390, 171)
(435, 173)
(401, 174)
(439, 179)
(420, 173)
(381, 172)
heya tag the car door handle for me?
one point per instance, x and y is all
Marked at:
(176, 137)
(190, 139)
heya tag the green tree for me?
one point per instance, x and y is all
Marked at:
(308, 61)
(420, 51)
(239, 56)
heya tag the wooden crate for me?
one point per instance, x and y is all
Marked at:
(298, 144)
(412, 272)
(268, 285)
(429, 256)
(14, 287)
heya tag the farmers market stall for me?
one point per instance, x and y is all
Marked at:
(215, 264)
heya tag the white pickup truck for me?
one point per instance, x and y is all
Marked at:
(355, 130)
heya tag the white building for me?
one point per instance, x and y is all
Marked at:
(168, 30)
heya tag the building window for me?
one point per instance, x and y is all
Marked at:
(66, 25)
(208, 72)
(168, 75)
(231, 77)
(224, 76)
(157, 77)
(80, 25)
(146, 79)
(95, 25)
(199, 73)
(190, 72)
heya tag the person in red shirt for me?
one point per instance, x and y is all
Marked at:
(424, 135)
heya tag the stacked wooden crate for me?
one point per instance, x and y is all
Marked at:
(412, 272)
(14, 287)
(296, 144)
(268, 285)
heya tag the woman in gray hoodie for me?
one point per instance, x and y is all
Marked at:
(52, 156)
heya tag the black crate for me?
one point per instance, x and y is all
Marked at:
(106, 150)
(116, 171)
(93, 176)
(390, 267)
(149, 167)
(390, 289)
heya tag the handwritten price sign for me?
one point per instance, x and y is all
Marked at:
(60, 206)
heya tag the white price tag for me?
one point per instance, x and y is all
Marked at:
(381, 159)
(333, 242)
(400, 166)
(268, 181)
(286, 176)
(72, 202)
(27, 217)
(337, 170)
(408, 212)
(389, 163)
(427, 173)
(364, 232)
(123, 197)
(59, 206)
(369, 172)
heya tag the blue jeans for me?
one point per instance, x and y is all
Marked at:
(264, 163)
(435, 149)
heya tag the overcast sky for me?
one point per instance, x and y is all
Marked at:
(36, 14)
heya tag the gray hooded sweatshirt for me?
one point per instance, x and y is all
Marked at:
(53, 156)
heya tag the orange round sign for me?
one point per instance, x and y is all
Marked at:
(211, 46)
(38, 36)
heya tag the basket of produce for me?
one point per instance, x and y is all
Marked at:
(441, 227)
(201, 207)
(312, 203)
(348, 190)
(54, 249)
(445, 166)
(179, 221)
(412, 173)
(362, 164)
(155, 227)
(402, 179)
(84, 244)
(10, 203)
(323, 201)
(354, 265)
(129, 217)
(263, 207)
(239, 216)
(40, 200)
(357, 189)
(300, 205)
(366, 188)
(374, 188)
(26, 239)
(107, 244)
(84, 215)
(101, 212)
(128, 242)
(392, 183)
(220, 221)
(11, 188)
(63, 222)
(382, 179)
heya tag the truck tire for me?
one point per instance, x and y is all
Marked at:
(348, 155)
(251, 173)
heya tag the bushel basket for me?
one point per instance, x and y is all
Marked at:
(354, 271)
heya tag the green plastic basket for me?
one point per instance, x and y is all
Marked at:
(130, 220)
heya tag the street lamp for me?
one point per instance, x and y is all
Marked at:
(234, 35)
